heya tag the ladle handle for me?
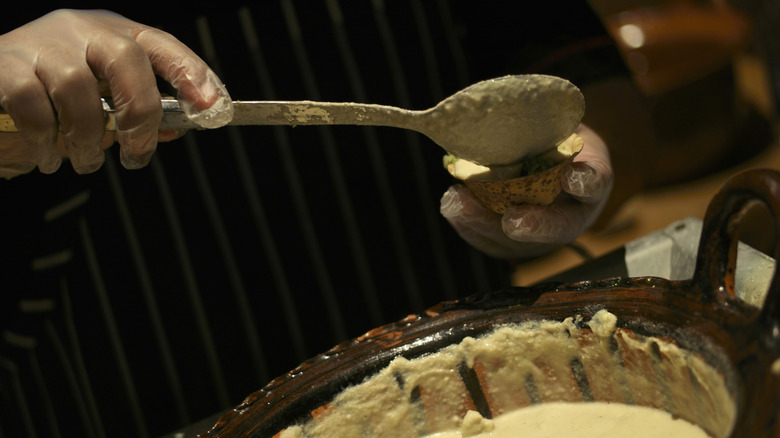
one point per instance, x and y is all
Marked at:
(716, 258)
(293, 113)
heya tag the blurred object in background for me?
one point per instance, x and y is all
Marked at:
(710, 72)
(703, 67)
(765, 17)
(668, 43)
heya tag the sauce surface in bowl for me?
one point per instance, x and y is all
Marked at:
(585, 420)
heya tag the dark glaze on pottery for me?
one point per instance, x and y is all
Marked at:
(701, 315)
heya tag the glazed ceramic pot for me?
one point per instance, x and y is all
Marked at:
(690, 348)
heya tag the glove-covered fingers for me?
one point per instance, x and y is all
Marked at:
(219, 112)
(203, 96)
(587, 182)
(120, 61)
(25, 98)
(482, 228)
(589, 178)
(555, 224)
(127, 59)
(81, 118)
(148, 51)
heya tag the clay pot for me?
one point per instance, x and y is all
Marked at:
(700, 317)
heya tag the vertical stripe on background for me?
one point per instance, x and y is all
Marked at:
(426, 198)
(255, 203)
(406, 270)
(223, 241)
(479, 268)
(450, 34)
(72, 381)
(79, 368)
(18, 394)
(346, 206)
(43, 394)
(116, 346)
(304, 216)
(191, 284)
(147, 290)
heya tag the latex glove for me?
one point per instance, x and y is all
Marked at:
(529, 231)
(56, 68)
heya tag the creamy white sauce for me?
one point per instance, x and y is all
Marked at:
(529, 114)
(469, 170)
(427, 396)
(582, 420)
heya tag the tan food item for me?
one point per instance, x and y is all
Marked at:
(549, 143)
(539, 184)
(527, 366)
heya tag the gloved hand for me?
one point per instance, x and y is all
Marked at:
(55, 69)
(529, 231)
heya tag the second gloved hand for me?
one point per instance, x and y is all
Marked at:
(529, 231)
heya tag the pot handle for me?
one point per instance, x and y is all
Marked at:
(716, 257)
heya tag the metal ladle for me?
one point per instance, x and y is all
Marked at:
(493, 122)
